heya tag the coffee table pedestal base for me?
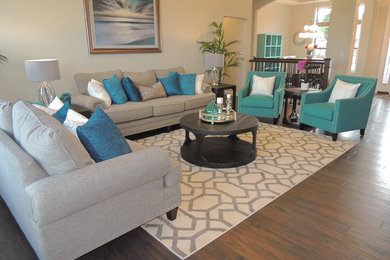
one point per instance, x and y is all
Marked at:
(218, 152)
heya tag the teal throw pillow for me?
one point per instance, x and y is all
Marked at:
(171, 84)
(115, 90)
(186, 82)
(61, 114)
(102, 138)
(130, 89)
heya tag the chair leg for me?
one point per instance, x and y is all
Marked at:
(362, 131)
(334, 136)
(171, 215)
(301, 126)
(275, 120)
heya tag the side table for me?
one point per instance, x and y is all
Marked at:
(219, 91)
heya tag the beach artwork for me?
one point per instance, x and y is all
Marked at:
(117, 26)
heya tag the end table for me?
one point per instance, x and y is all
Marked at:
(219, 91)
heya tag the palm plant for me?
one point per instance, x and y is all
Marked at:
(218, 46)
(3, 59)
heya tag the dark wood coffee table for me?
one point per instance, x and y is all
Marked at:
(224, 149)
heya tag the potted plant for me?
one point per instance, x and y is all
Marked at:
(218, 45)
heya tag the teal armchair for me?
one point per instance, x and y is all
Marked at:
(343, 115)
(262, 105)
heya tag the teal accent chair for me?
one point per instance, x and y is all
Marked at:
(262, 105)
(343, 115)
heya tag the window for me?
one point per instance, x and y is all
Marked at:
(322, 19)
(357, 37)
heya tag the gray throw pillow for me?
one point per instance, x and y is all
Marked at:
(6, 116)
(46, 140)
(155, 91)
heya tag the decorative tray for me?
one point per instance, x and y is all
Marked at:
(225, 116)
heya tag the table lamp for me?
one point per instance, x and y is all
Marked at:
(214, 61)
(43, 70)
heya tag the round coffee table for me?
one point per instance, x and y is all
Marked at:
(224, 149)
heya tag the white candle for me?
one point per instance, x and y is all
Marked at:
(228, 96)
(219, 100)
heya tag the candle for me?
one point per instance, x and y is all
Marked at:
(228, 96)
(220, 100)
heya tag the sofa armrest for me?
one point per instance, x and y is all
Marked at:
(85, 101)
(60, 195)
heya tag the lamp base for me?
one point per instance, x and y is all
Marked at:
(46, 93)
(214, 77)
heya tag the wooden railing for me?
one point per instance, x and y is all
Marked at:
(316, 70)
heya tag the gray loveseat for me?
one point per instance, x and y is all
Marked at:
(69, 214)
(136, 117)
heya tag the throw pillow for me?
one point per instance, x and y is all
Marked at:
(46, 109)
(61, 114)
(74, 120)
(171, 84)
(186, 83)
(102, 138)
(56, 104)
(96, 89)
(130, 89)
(263, 86)
(199, 83)
(115, 90)
(6, 116)
(155, 91)
(54, 148)
(343, 90)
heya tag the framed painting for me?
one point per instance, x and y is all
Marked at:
(123, 26)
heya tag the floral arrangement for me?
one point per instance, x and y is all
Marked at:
(310, 48)
(301, 67)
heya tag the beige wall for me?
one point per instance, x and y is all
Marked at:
(266, 23)
(56, 29)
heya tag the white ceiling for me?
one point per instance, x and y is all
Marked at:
(299, 2)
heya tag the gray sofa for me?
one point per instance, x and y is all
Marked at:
(136, 117)
(67, 215)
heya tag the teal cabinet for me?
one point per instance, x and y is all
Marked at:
(269, 45)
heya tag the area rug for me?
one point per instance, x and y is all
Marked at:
(216, 200)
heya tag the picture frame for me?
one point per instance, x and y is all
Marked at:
(114, 28)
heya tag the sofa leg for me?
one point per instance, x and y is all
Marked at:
(171, 215)
(334, 136)
(362, 131)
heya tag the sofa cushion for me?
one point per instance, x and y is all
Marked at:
(165, 106)
(258, 101)
(197, 101)
(97, 90)
(155, 91)
(130, 89)
(171, 84)
(54, 148)
(146, 78)
(129, 111)
(102, 138)
(162, 73)
(321, 110)
(199, 83)
(6, 116)
(115, 89)
(82, 79)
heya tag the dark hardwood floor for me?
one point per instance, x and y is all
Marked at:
(340, 212)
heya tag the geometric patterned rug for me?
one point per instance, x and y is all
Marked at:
(216, 200)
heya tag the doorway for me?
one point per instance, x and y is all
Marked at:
(384, 67)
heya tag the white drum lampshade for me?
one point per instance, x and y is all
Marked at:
(43, 70)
